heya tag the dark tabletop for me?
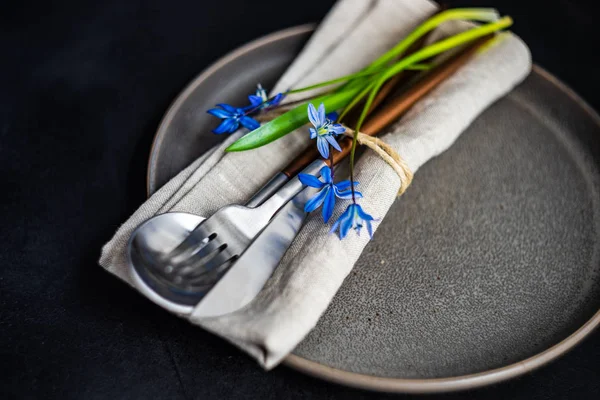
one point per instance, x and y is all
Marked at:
(83, 86)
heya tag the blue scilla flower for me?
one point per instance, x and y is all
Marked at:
(329, 191)
(353, 217)
(332, 116)
(324, 130)
(232, 118)
(260, 101)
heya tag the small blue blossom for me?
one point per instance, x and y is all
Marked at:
(353, 217)
(329, 191)
(260, 101)
(324, 130)
(332, 116)
(232, 118)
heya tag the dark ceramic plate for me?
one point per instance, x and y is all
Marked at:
(486, 268)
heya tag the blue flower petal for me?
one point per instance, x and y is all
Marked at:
(347, 195)
(362, 214)
(217, 112)
(227, 107)
(323, 147)
(316, 200)
(276, 99)
(353, 217)
(248, 110)
(326, 174)
(228, 125)
(331, 140)
(313, 116)
(321, 113)
(310, 180)
(337, 129)
(328, 205)
(249, 123)
(313, 133)
(335, 226)
(346, 221)
(255, 101)
(369, 228)
(332, 116)
(337, 223)
(343, 185)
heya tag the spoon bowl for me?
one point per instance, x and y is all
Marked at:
(156, 238)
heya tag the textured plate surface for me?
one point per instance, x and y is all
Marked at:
(487, 267)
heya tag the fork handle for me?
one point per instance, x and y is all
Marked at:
(290, 189)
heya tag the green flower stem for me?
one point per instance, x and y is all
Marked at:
(370, 86)
(357, 99)
(470, 14)
(415, 67)
(337, 80)
(433, 50)
(426, 52)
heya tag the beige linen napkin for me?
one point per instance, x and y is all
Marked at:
(352, 35)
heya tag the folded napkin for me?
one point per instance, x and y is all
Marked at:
(351, 36)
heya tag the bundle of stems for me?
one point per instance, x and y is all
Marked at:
(362, 87)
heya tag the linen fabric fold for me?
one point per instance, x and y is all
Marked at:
(353, 34)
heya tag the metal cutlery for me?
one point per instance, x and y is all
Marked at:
(194, 265)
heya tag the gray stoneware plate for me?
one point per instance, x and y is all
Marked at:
(486, 268)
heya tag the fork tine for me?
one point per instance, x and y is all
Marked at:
(203, 282)
(208, 265)
(193, 243)
(198, 262)
(205, 251)
(210, 278)
(211, 246)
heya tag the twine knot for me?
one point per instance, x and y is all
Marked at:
(388, 154)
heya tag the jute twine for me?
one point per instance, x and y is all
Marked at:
(388, 154)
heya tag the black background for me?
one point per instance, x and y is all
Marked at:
(83, 86)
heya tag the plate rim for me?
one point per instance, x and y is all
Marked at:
(371, 382)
